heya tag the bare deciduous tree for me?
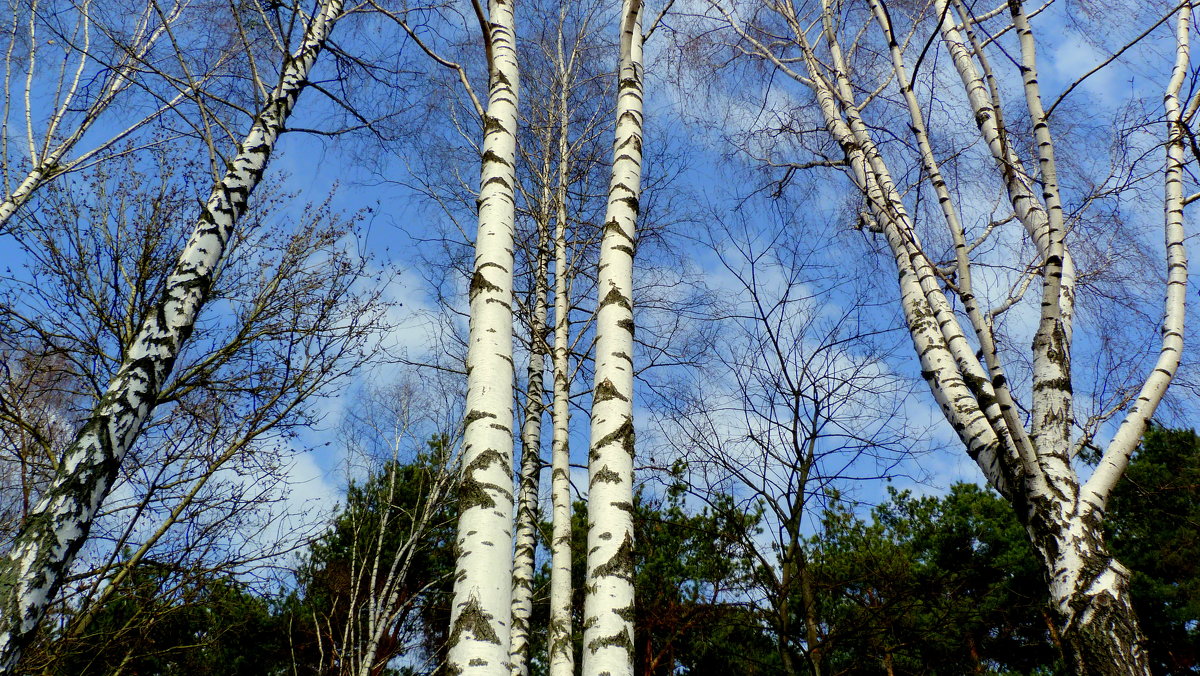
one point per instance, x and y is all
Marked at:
(84, 82)
(293, 321)
(397, 442)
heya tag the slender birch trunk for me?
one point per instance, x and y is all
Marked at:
(482, 607)
(32, 573)
(561, 650)
(388, 579)
(531, 450)
(608, 644)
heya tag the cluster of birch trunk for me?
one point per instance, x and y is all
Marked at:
(493, 586)
(1027, 451)
(492, 590)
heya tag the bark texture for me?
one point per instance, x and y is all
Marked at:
(480, 622)
(609, 604)
(561, 650)
(531, 460)
(35, 569)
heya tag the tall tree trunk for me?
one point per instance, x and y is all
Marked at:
(811, 627)
(608, 606)
(531, 452)
(482, 606)
(560, 645)
(1089, 594)
(33, 572)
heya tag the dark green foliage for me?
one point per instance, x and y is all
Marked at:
(690, 576)
(949, 585)
(921, 585)
(167, 623)
(690, 583)
(930, 586)
(1154, 529)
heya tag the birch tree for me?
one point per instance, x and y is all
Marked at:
(563, 184)
(608, 605)
(69, 65)
(32, 573)
(371, 574)
(1027, 451)
(482, 611)
(531, 451)
(561, 651)
(560, 647)
(203, 486)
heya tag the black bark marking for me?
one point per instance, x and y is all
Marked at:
(474, 620)
(605, 391)
(623, 434)
(606, 475)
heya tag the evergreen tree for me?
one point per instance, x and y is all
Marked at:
(931, 586)
(201, 627)
(1154, 521)
(384, 521)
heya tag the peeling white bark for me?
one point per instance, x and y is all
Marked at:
(609, 602)
(480, 622)
(35, 569)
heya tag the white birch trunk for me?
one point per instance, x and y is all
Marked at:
(982, 94)
(1116, 457)
(1010, 425)
(531, 457)
(32, 573)
(20, 195)
(609, 603)
(480, 621)
(560, 648)
(385, 580)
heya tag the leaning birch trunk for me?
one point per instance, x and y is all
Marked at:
(482, 606)
(608, 606)
(531, 456)
(561, 651)
(32, 573)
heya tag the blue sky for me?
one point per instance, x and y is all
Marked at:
(713, 179)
